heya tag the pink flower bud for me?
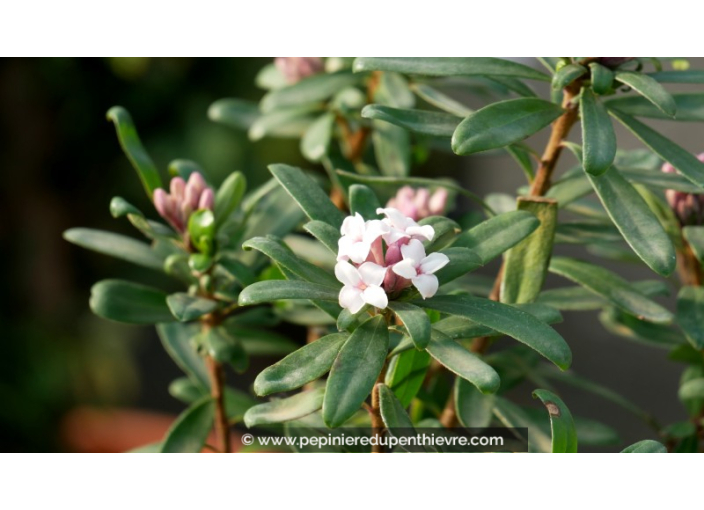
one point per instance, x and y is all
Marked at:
(206, 199)
(295, 69)
(438, 202)
(688, 207)
(160, 199)
(177, 188)
(419, 204)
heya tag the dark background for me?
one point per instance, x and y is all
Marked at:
(60, 162)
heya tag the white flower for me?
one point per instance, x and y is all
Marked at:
(401, 226)
(357, 238)
(362, 285)
(419, 268)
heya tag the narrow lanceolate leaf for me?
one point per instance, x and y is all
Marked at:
(419, 121)
(300, 367)
(514, 416)
(324, 233)
(225, 348)
(285, 409)
(690, 315)
(474, 409)
(187, 308)
(504, 123)
(177, 339)
(229, 196)
(117, 246)
(363, 201)
(440, 100)
(285, 123)
(638, 225)
(526, 264)
(190, 431)
(623, 324)
(275, 249)
(355, 371)
(455, 66)
(406, 374)
(695, 238)
(462, 261)
(396, 419)
(564, 435)
(693, 76)
(465, 364)
(690, 107)
(612, 287)
(314, 144)
(491, 238)
(313, 200)
(602, 78)
(120, 207)
(647, 446)
(650, 89)
(567, 74)
(598, 137)
(273, 290)
(311, 90)
(129, 302)
(415, 320)
(236, 113)
(133, 149)
(508, 320)
(681, 159)
(392, 148)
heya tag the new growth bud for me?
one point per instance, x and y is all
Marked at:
(419, 204)
(183, 200)
(688, 207)
(295, 69)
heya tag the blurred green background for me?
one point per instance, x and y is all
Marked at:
(61, 165)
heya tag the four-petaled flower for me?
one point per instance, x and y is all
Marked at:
(419, 268)
(403, 227)
(362, 285)
(358, 237)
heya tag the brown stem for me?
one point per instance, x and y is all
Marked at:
(688, 266)
(378, 428)
(448, 418)
(216, 373)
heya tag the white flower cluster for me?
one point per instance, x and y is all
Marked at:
(377, 258)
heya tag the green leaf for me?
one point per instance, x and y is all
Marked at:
(186, 390)
(647, 446)
(626, 325)
(324, 233)
(363, 201)
(229, 196)
(225, 348)
(236, 270)
(660, 180)
(314, 144)
(276, 250)
(415, 320)
(567, 74)
(693, 76)
(187, 308)
(692, 389)
(184, 168)
(313, 200)
(419, 121)
(300, 367)
(513, 416)
(285, 123)
(285, 409)
(129, 302)
(638, 225)
(392, 411)
(581, 299)
(602, 78)
(695, 237)
(120, 207)
(406, 374)
(439, 100)
(465, 364)
(462, 261)
(273, 290)
(690, 315)
(526, 264)
(177, 339)
(690, 107)
(612, 287)
(501, 124)
(201, 229)
(681, 159)
(236, 113)
(491, 238)
(355, 371)
(564, 435)
(598, 137)
(392, 148)
(454, 66)
(261, 342)
(190, 431)
(133, 149)
(650, 89)
(117, 246)
(508, 320)
(474, 410)
(313, 89)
